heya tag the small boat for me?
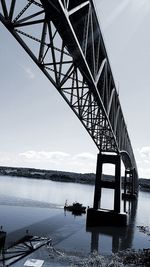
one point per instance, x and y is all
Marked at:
(76, 207)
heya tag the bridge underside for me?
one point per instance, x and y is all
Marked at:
(64, 39)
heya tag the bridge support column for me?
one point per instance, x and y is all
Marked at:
(101, 183)
(130, 191)
(97, 216)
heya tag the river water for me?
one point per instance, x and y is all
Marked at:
(37, 206)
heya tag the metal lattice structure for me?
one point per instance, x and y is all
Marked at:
(19, 249)
(64, 39)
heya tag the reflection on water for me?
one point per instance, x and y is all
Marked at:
(37, 205)
(117, 238)
(45, 191)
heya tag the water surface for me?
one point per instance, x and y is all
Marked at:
(37, 206)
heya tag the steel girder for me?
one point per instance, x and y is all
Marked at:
(64, 39)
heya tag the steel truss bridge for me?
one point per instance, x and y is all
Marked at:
(64, 39)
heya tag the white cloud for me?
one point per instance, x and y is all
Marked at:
(144, 153)
(85, 156)
(44, 156)
(29, 73)
(83, 162)
(144, 172)
(143, 161)
(4, 158)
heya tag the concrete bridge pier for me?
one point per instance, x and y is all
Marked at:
(130, 186)
(97, 216)
(101, 183)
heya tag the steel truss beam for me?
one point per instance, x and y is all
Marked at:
(64, 39)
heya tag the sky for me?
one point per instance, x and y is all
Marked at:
(39, 130)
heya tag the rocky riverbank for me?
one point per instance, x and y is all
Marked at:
(127, 258)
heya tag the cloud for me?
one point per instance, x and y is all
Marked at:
(29, 72)
(4, 158)
(85, 156)
(56, 156)
(143, 161)
(144, 153)
(44, 156)
(83, 162)
(144, 172)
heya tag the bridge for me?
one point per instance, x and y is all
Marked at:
(64, 39)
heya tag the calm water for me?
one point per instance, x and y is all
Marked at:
(37, 206)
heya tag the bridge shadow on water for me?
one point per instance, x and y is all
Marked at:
(62, 228)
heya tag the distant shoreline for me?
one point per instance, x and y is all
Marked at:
(53, 175)
(62, 176)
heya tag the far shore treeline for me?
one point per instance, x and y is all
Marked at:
(62, 176)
